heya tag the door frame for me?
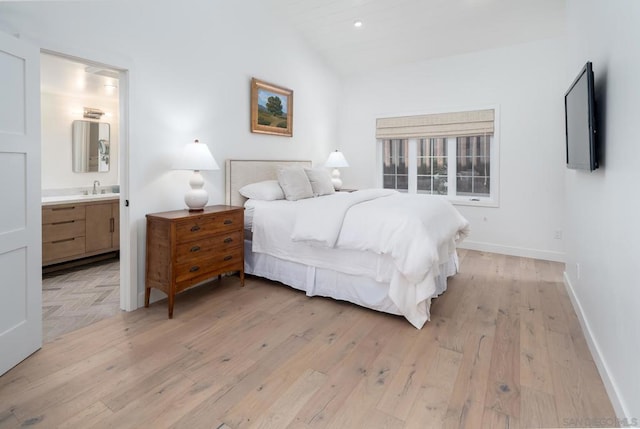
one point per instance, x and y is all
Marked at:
(128, 243)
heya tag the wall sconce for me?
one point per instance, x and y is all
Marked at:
(91, 113)
(197, 157)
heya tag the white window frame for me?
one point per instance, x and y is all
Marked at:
(494, 180)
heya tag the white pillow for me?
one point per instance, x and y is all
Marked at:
(295, 183)
(267, 190)
(320, 181)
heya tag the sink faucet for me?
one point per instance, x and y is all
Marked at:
(95, 183)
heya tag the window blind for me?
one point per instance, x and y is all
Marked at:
(458, 124)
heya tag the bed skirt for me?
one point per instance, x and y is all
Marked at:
(315, 281)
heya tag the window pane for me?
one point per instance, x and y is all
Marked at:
(463, 185)
(473, 166)
(424, 184)
(481, 186)
(423, 147)
(402, 166)
(424, 165)
(389, 182)
(403, 182)
(439, 147)
(394, 155)
(440, 166)
(440, 185)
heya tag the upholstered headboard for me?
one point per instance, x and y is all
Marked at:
(240, 172)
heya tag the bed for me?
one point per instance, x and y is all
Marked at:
(324, 244)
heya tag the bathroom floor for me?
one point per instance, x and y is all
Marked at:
(77, 297)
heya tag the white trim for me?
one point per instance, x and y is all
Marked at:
(128, 243)
(603, 369)
(513, 251)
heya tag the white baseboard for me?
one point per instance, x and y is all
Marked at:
(155, 295)
(513, 251)
(609, 383)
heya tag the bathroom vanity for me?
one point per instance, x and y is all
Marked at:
(79, 227)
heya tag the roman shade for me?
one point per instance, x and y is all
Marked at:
(455, 124)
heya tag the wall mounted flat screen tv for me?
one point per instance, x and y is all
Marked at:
(580, 122)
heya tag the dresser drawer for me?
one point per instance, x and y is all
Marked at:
(198, 228)
(231, 258)
(62, 230)
(63, 213)
(198, 248)
(62, 248)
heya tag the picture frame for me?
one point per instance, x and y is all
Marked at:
(271, 109)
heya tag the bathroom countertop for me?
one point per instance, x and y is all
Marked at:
(70, 199)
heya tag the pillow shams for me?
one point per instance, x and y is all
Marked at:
(320, 181)
(295, 183)
(267, 190)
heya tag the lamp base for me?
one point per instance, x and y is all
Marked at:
(335, 179)
(196, 198)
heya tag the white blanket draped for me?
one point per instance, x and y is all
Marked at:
(418, 232)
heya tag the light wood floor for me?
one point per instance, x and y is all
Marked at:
(77, 297)
(503, 349)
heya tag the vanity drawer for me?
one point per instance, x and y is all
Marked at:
(62, 248)
(198, 228)
(62, 230)
(218, 243)
(63, 213)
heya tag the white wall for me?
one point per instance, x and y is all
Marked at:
(527, 83)
(190, 66)
(58, 113)
(603, 232)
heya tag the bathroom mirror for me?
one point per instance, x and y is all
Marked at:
(91, 146)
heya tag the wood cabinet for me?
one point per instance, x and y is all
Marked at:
(78, 230)
(185, 248)
(102, 222)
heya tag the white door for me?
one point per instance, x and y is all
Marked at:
(20, 204)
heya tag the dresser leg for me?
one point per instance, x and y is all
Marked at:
(242, 278)
(170, 306)
(147, 293)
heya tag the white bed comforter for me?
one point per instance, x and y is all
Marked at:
(418, 232)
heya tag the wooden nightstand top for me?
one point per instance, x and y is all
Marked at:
(185, 213)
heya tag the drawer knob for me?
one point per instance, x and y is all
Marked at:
(194, 269)
(194, 249)
(228, 258)
(228, 240)
(228, 221)
(195, 228)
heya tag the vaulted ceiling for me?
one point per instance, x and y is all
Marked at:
(404, 31)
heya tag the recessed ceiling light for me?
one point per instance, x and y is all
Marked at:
(357, 24)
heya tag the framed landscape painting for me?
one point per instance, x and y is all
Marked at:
(271, 109)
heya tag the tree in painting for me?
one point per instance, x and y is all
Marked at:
(274, 105)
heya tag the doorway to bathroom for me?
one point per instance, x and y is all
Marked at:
(81, 199)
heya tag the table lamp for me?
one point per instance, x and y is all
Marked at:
(197, 157)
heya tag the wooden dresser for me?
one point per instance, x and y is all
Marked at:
(185, 248)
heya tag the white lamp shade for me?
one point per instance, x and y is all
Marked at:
(196, 156)
(336, 160)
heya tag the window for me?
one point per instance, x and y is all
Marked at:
(395, 170)
(452, 154)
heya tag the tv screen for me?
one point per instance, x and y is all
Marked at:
(580, 123)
